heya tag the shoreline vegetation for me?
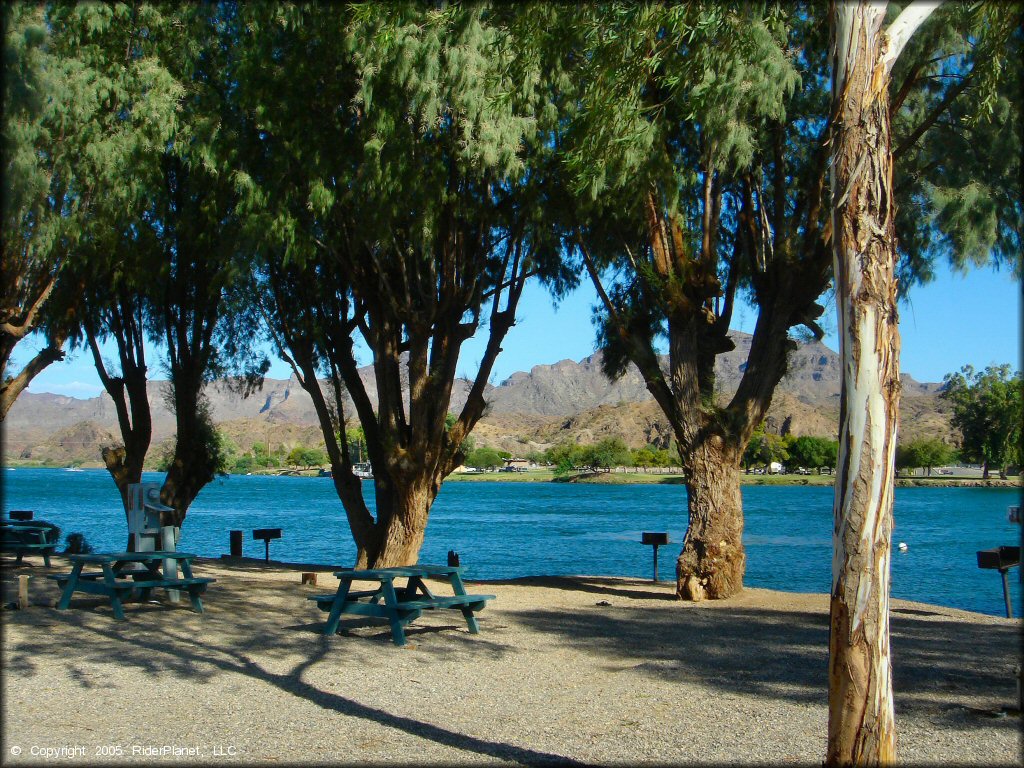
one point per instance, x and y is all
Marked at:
(631, 477)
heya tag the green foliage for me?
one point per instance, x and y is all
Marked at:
(306, 457)
(607, 453)
(987, 410)
(813, 452)
(536, 457)
(244, 464)
(356, 443)
(958, 180)
(484, 458)
(642, 458)
(565, 456)
(764, 448)
(926, 452)
(84, 100)
(264, 459)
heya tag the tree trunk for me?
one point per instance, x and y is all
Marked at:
(194, 463)
(124, 472)
(15, 385)
(402, 527)
(713, 560)
(861, 727)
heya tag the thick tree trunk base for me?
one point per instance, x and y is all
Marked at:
(397, 537)
(713, 561)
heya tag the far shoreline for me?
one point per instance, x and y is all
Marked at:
(628, 478)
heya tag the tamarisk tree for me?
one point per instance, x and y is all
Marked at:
(80, 105)
(160, 267)
(115, 269)
(697, 187)
(394, 205)
(701, 192)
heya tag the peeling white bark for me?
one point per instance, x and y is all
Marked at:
(861, 717)
(904, 27)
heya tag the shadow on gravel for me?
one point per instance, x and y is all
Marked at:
(784, 654)
(607, 587)
(243, 632)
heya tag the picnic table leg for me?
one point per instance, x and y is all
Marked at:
(336, 607)
(457, 586)
(460, 589)
(194, 590)
(115, 597)
(193, 596)
(46, 558)
(391, 608)
(416, 583)
(474, 628)
(69, 587)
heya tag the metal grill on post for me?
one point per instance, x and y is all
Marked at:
(266, 534)
(655, 540)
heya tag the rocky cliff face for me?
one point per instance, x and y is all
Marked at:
(565, 400)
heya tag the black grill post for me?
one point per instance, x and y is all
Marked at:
(655, 540)
(266, 534)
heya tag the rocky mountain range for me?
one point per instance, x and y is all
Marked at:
(529, 410)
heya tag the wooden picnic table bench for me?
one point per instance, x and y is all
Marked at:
(399, 605)
(120, 578)
(27, 537)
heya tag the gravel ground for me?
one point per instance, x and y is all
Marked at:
(585, 669)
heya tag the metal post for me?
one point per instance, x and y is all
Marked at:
(1006, 593)
(235, 538)
(266, 554)
(655, 540)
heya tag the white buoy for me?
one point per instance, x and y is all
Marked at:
(903, 546)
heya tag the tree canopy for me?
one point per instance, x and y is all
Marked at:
(987, 410)
(927, 452)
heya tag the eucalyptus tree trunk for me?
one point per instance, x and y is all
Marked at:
(861, 727)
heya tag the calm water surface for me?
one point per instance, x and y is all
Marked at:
(505, 530)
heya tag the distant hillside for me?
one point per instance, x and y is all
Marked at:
(529, 410)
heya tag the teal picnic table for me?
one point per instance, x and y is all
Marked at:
(127, 575)
(27, 537)
(399, 604)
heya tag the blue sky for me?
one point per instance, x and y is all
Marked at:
(955, 320)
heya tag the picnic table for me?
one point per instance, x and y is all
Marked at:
(27, 537)
(401, 604)
(127, 575)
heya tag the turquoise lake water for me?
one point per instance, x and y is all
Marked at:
(504, 530)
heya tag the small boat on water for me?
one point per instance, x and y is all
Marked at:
(362, 471)
(72, 469)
